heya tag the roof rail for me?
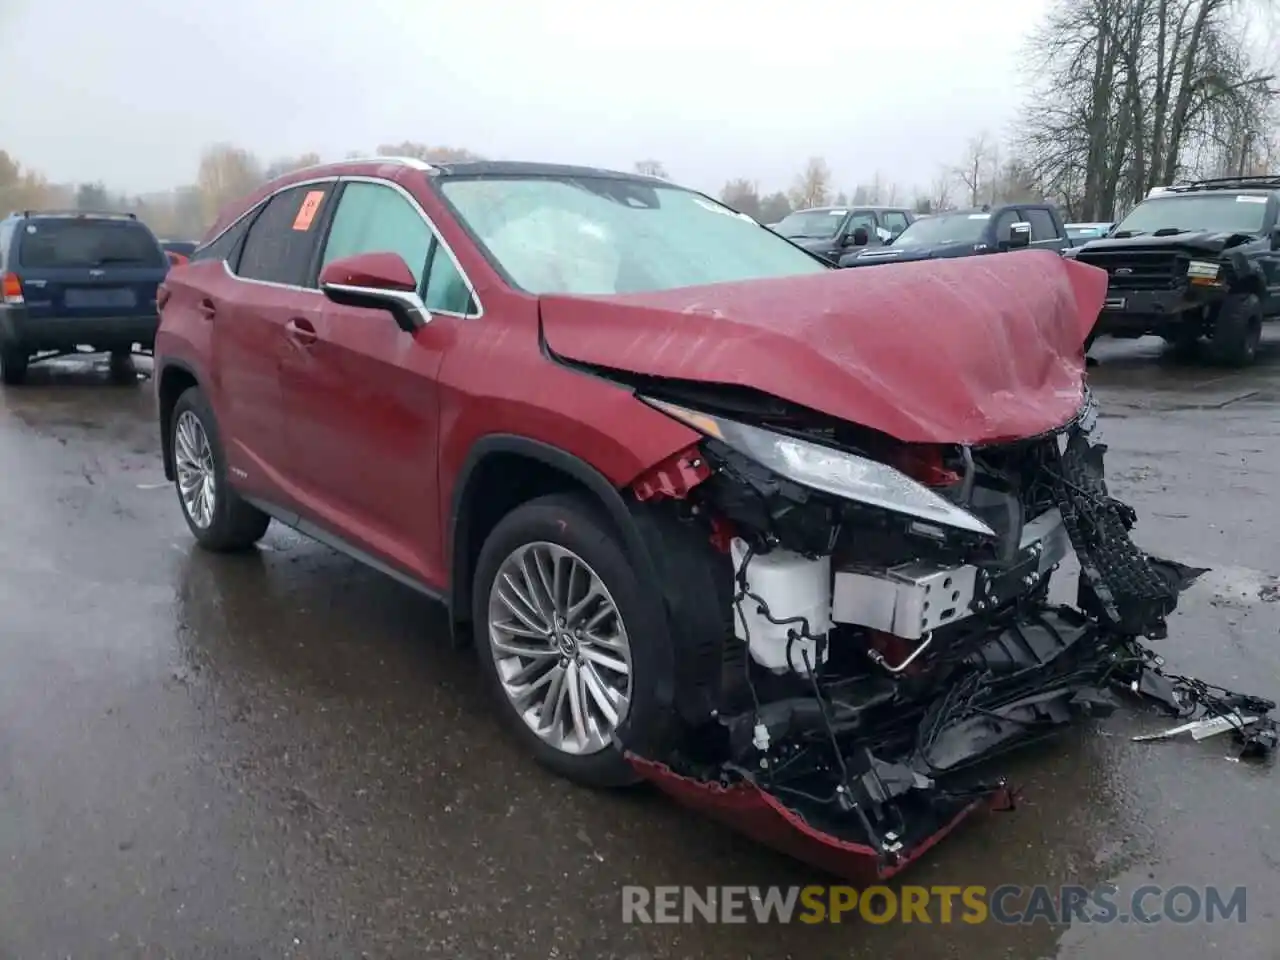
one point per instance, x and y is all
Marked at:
(413, 162)
(1260, 181)
(108, 214)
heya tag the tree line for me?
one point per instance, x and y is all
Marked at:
(1122, 96)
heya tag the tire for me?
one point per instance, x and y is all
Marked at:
(13, 367)
(1237, 331)
(121, 367)
(231, 523)
(571, 529)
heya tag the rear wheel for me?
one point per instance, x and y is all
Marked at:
(565, 639)
(1237, 331)
(218, 518)
(13, 366)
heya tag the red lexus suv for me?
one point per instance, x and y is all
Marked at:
(775, 535)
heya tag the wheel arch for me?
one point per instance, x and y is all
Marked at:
(173, 379)
(485, 492)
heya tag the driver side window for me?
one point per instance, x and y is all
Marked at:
(375, 219)
(1003, 222)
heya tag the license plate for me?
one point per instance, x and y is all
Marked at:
(1113, 303)
(114, 297)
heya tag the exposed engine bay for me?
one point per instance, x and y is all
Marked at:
(886, 622)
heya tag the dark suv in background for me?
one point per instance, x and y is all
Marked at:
(967, 233)
(73, 279)
(1197, 260)
(830, 232)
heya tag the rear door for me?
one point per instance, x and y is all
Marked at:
(250, 317)
(88, 267)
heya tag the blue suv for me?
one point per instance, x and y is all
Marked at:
(74, 279)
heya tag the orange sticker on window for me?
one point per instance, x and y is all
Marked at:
(307, 212)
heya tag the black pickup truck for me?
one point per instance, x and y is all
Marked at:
(1194, 261)
(967, 233)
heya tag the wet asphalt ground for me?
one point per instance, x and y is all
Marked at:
(280, 755)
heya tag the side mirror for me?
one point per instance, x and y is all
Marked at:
(378, 281)
(1019, 235)
(1275, 239)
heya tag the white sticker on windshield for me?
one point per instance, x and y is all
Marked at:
(979, 216)
(1246, 199)
(31, 228)
(836, 213)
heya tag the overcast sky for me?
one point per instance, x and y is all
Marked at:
(129, 91)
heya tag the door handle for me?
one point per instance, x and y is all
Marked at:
(301, 331)
(206, 309)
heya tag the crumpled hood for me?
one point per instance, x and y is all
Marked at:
(972, 350)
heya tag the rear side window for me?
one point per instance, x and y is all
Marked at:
(1042, 225)
(894, 221)
(45, 244)
(282, 239)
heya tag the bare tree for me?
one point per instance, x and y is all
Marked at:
(411, 148)
(940, 191)
(1136, 93)
(743, 196)
(652, 168)
(975, 168)
(226, 173)
(812, 187)
(278, 168)
(774, 207)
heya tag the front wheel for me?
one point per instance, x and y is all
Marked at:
(1237, 331)
(218, 518)
(566, 639)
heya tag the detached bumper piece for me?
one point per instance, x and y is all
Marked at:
(864, 780)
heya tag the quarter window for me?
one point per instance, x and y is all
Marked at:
(446, 290)
(226, 246)
(376, 219)
(281, 241)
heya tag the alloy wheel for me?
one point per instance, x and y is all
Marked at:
(193, 462)
(560, 647)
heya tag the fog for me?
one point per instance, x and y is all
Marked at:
(129, 92)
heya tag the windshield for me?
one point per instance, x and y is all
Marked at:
(48, 243)
(811, 224)
(1084, 233)
(601, 235)
(1215, 213)
(944, 228)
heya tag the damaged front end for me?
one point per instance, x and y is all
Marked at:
(891, 628)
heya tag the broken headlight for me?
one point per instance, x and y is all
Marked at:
(831, 471)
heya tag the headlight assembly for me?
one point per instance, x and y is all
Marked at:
(831, 471)
(1202, 270)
